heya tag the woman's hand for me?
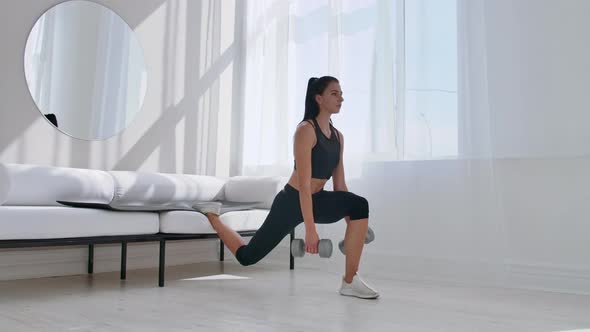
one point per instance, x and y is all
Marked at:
(312, 240)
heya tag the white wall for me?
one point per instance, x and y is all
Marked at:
(539, 65)
(191, 53)
(538, 69)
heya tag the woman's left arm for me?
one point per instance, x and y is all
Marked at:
(338, 174)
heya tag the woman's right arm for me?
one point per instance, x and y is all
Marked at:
(303, 143)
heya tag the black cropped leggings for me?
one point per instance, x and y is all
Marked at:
(285, 214)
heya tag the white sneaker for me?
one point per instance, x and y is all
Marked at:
(358, 288)
(208, 207)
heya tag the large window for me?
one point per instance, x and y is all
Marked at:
(430, 106)
(396, 61)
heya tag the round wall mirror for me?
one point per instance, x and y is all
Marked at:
(85, 70)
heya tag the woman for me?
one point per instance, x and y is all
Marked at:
(318, 150)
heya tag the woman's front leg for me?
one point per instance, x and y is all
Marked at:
(356, 231)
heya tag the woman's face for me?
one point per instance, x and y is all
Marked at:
(331, 99)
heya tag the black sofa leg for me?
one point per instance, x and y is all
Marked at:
(162, 263)
(123, 260)
(291, 258)
(221, 251)
(90, 258)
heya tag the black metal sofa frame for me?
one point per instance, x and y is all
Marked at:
(124, 240)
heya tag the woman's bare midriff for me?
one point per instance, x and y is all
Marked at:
(316, 184)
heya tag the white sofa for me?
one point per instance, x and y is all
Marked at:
(139, 206)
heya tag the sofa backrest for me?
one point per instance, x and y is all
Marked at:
(36, 185)
(4, 183)
(44, 185)
(155, 191)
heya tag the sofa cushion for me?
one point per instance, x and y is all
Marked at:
(254, 189)
(142, 191)
(4, 183)
(228, 206)
(47, 222)
(186, 222)
(245, 220)
(44, 185)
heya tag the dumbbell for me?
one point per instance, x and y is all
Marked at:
(368, 239)
(324, 248)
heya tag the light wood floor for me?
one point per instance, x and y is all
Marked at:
(272, 298)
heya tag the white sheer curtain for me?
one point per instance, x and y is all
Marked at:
(474, 83)
(474, 140)
(289, 41)
(430, 108)
(415, 82)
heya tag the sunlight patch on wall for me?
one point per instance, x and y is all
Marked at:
(228, 22)
(177, 36)
(179, 144)
(224, 122)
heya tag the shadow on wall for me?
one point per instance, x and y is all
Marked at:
(194, 69)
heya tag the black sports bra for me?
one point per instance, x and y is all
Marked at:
(325, 155)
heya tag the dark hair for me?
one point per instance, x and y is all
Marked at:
(315, 86)
(52, 118)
